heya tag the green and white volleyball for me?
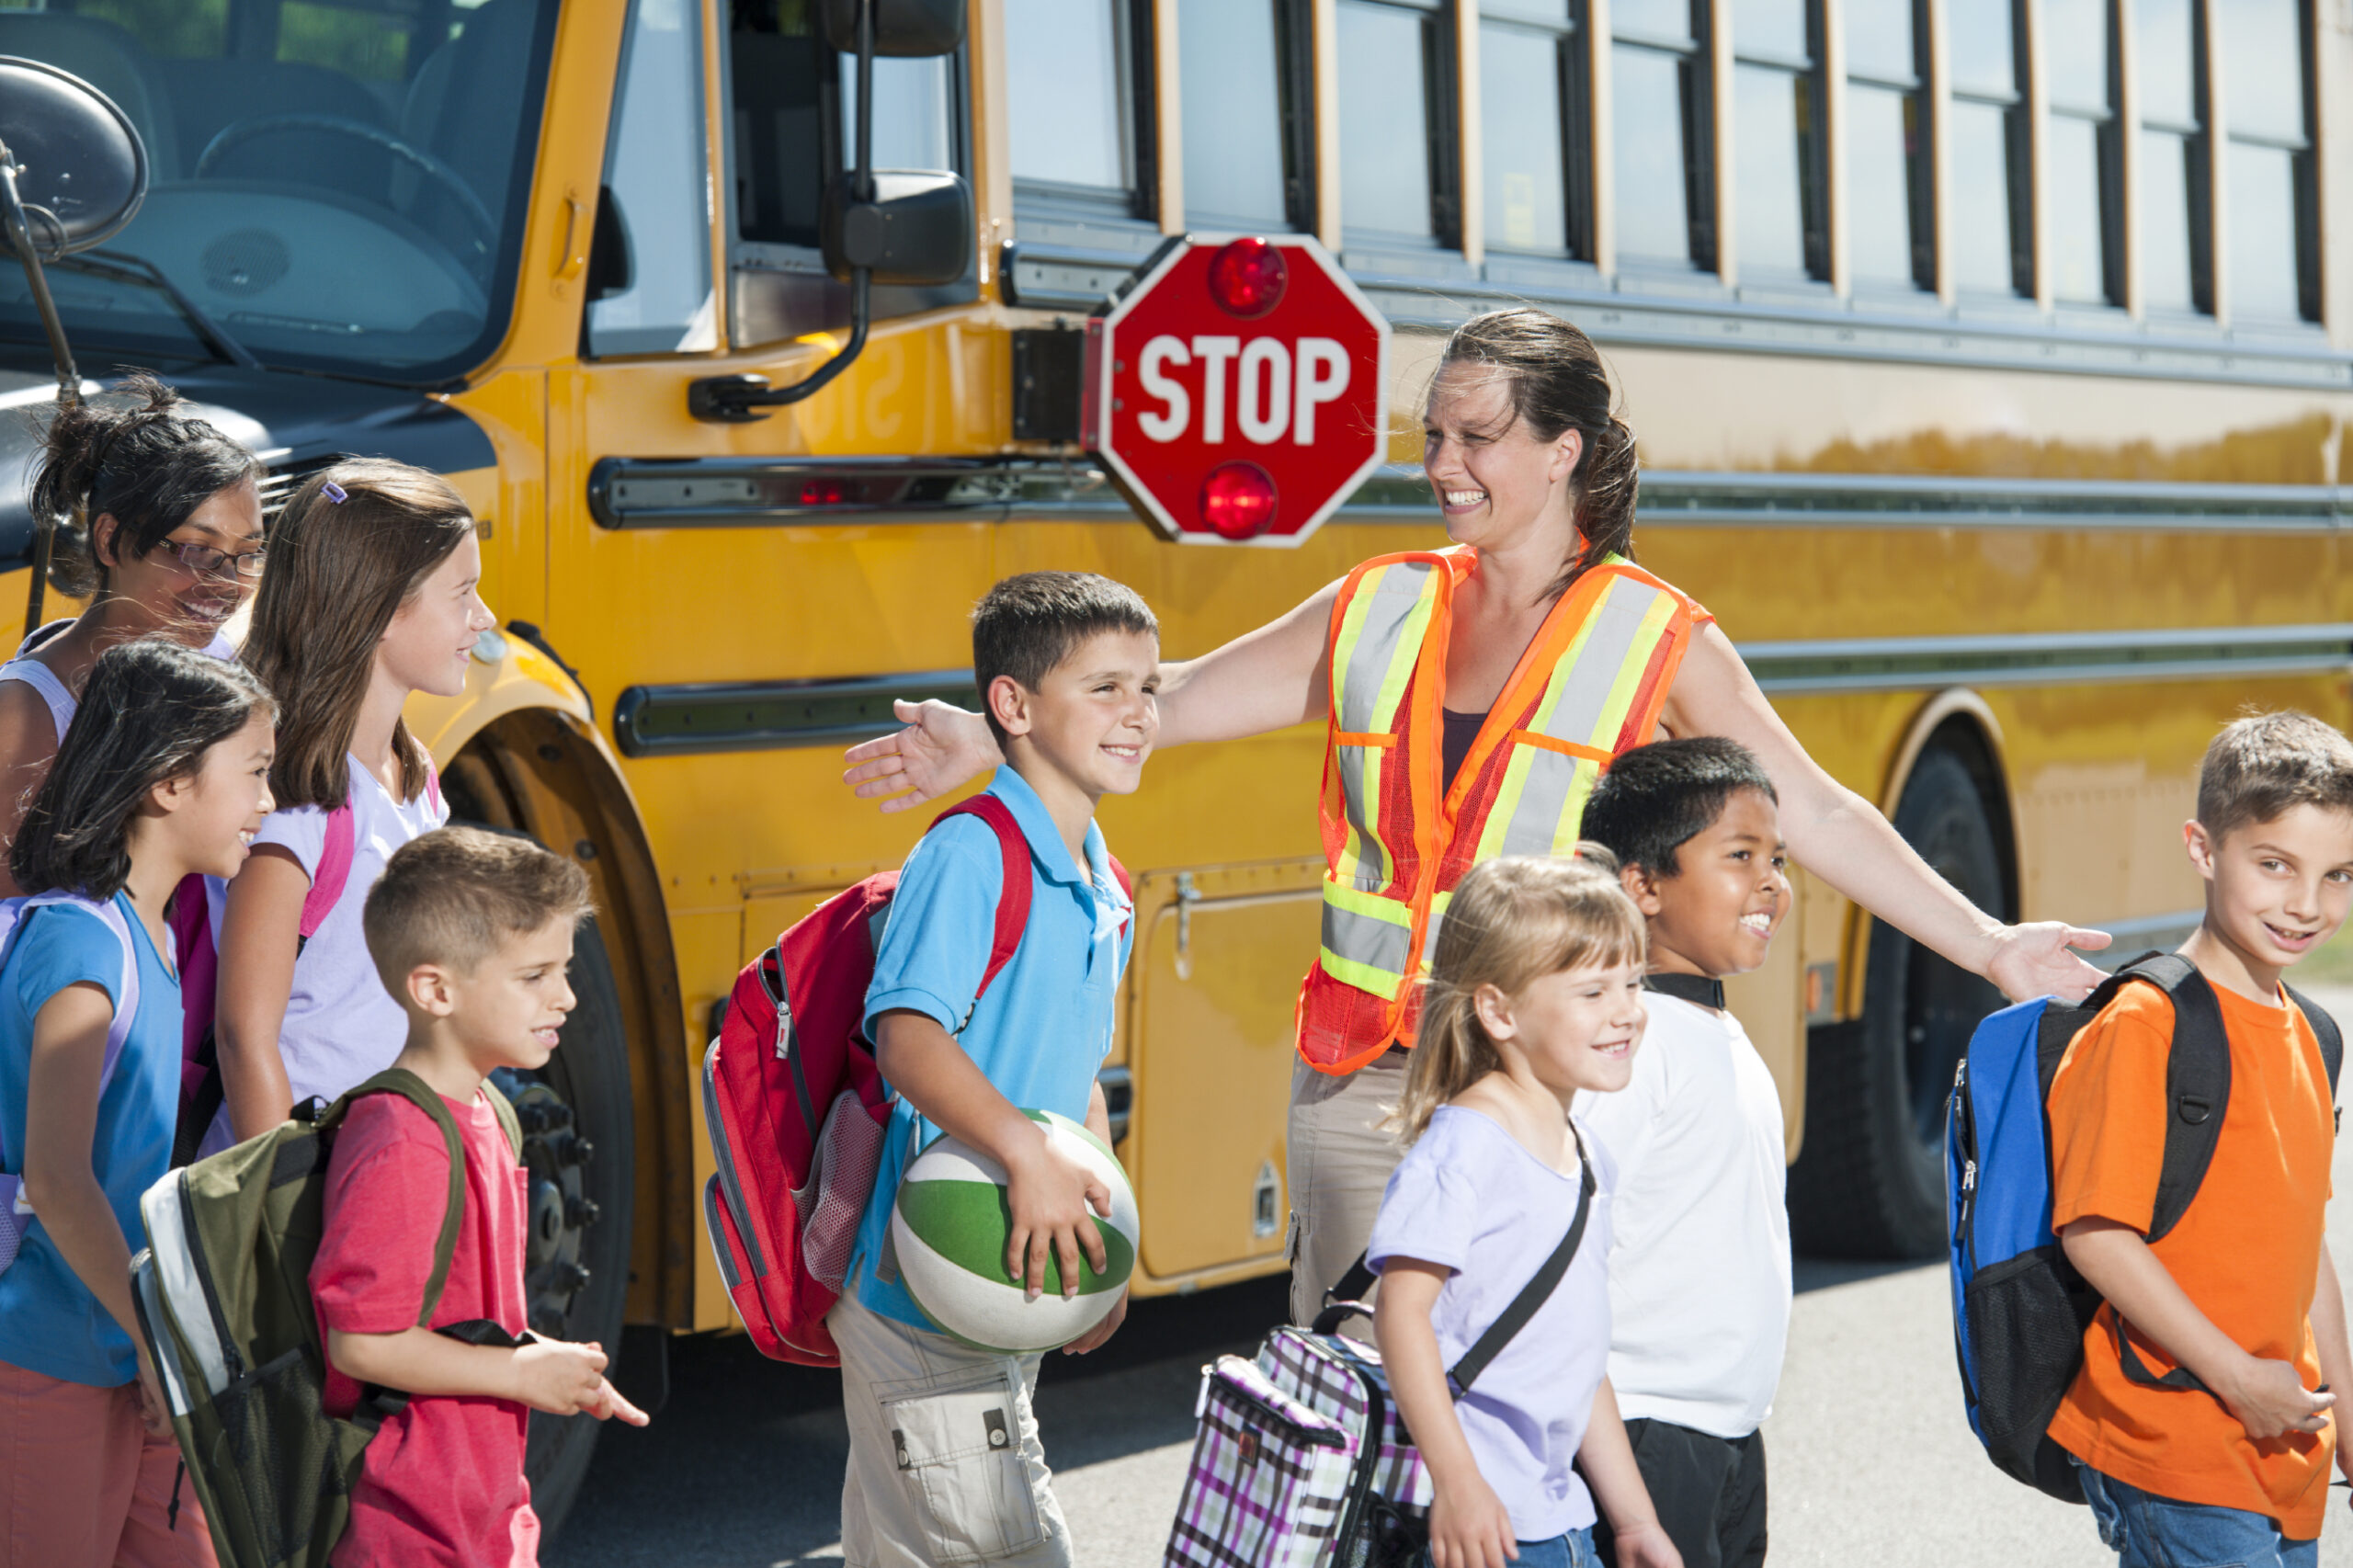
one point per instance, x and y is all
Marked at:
(950, 1228)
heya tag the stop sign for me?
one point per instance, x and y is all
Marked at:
(1239, 391)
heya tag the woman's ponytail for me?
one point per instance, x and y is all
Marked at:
(135, 456)
(1557, 384)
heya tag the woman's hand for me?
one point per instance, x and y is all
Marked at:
(942, 746)
(1470, 1527)
(2038, 961)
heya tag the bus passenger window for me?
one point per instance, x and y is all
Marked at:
(1778, 175)
(2173, 210)
(1992, 241)
(650, 281)
(1071, 91)
(1249, 136)
(1890, 233)
(1530, 116)
(2273, 272)
(1658, 80)
(914, 100)
(1395, 66)
(2082, 163)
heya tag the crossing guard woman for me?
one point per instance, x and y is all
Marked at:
(1472, 696)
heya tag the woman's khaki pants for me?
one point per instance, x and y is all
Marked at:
(1338, 1159)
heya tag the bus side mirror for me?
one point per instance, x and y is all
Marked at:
(903, 29)
(916, 231)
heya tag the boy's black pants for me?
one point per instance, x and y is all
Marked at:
(1710, 1494)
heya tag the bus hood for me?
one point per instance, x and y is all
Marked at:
(293, 422)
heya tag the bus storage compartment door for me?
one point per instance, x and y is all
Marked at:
(1221, 953)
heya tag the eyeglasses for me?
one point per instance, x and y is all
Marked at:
(206, 562)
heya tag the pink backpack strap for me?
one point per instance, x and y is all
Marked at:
(333, 873)
(1013, 902)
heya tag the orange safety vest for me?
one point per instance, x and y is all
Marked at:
(1395, 841)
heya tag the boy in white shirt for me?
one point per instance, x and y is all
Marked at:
(1700, 1260)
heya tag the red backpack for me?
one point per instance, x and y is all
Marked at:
(796, 1109)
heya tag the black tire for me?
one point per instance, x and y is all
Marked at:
(1868, 1182)
(579, 1207)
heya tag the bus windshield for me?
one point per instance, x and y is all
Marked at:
(335, 186)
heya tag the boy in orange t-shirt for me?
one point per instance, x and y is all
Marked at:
(2241, 1292)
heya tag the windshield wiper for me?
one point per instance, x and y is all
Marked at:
(120, 266)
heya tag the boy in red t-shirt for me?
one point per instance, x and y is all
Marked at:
(2241, 1292)
(472, 932)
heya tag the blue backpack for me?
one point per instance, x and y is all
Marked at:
(2020, 1310)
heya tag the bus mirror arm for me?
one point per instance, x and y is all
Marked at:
(900, 226)
(69, 379)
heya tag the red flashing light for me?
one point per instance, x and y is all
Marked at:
(1238, 500)
(1246, 278)
(824, 493)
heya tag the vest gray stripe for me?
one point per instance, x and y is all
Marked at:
(1545, 795)
(1363, 939)
(1394, 595)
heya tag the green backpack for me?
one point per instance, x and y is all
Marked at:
(223, 1295)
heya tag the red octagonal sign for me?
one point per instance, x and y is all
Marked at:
(1239, 392)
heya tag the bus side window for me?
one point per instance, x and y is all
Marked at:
(649, 280)
(1249, 128)
(1660, 90)
(790, 119)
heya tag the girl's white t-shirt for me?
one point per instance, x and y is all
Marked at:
(342, 1027)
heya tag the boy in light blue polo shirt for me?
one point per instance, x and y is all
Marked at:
(944, 1463)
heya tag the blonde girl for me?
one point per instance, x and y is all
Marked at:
(160, 531)
(1535, 992)
(164, 776)
(372, 594)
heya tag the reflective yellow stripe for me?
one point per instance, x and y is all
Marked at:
(1367, 939)
(1387, 615)
(1540, 804)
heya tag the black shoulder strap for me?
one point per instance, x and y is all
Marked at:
(1537, 1290)
(2324, 1029)
(2198, 1078)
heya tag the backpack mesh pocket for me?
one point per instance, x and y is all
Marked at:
(841, 1178)
(2027, 1317)
(284, 1472)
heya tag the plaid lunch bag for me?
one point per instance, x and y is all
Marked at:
(1301, 1460)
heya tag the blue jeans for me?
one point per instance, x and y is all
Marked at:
(2145, 1530)
(1573, 1550)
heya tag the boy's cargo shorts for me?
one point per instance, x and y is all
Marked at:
(945, 1465)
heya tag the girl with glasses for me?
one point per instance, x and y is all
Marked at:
(160, 529)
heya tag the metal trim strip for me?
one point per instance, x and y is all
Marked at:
(1909, 664)
(646, 493)
(699, 717)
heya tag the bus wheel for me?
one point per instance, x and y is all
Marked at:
(1870, 1180)
(579, 1160)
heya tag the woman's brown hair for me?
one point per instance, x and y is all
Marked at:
(1557, 384)
(1513, 920)
(355, 544)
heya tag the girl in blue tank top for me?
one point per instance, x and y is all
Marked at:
(163, 775)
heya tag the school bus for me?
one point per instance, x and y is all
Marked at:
(1990, 359)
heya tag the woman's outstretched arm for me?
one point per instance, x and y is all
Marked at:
(1263, 680)
(1843, 839)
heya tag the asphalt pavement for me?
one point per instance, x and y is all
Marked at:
(1871, 1460)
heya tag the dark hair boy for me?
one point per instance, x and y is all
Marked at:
(1700, 1259)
